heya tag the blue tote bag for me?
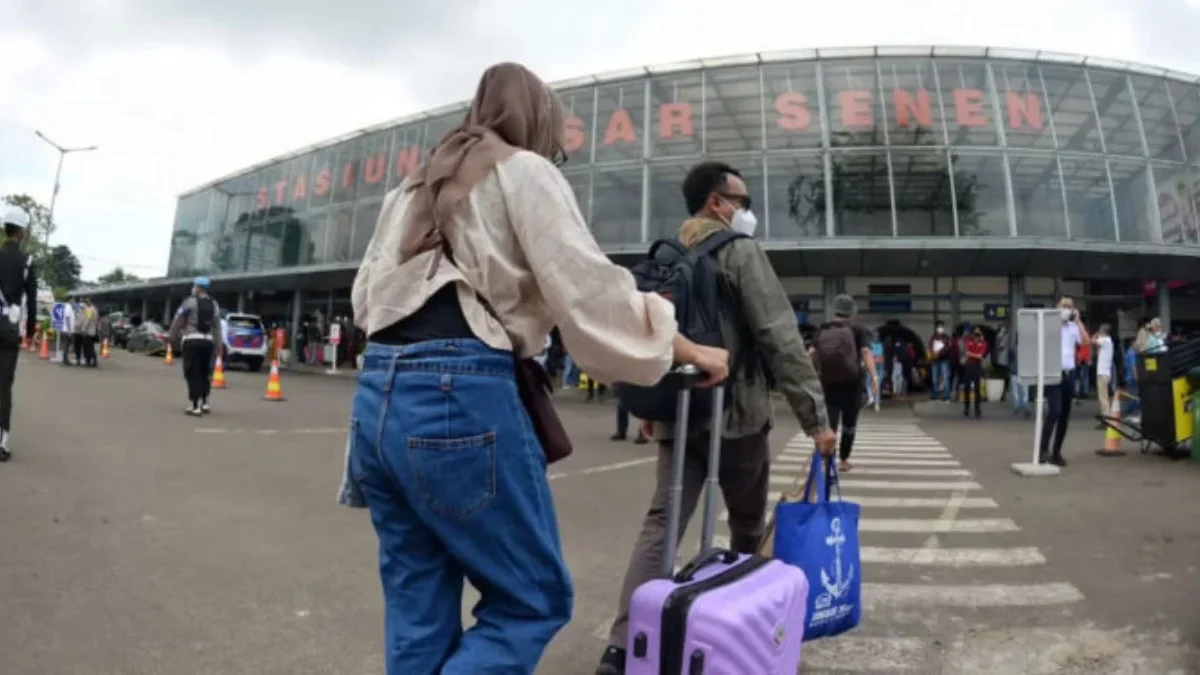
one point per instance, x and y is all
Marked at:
(820, 536)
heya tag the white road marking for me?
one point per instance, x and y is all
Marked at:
(911, 454)
(892, 503)
(878, 597)
(908, 485)
(871, 461)
(272, 432)
(937, 525)
(604, 468)
(954, 557)
(931, 473)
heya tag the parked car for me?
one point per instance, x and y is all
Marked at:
(120, 327)
(149, 337)
(245, 340)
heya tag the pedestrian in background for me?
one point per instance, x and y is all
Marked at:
(197, 329)
(975, 348)
(939, 350)
(1059, 396)
(1104, 368)
(89, 330)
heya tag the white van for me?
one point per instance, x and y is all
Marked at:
(245, 340)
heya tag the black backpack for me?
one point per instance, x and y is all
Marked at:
(837, 353)
(692, 281)
(206, 312)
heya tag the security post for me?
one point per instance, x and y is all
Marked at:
(1039, 363)
(58, 321)
(335, 339)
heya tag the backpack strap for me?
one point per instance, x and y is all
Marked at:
(717, 240)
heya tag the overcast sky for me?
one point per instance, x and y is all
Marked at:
(179, 92)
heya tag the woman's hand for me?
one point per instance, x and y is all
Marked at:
(713, 362)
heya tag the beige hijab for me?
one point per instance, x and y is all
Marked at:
(513, 109)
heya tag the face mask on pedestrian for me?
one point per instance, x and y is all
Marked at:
(941, 330)
(1066, 313)
(742, 220)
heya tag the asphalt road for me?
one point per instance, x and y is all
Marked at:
(138, 541)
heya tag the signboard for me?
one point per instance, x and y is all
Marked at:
(58, 316)
(335, 334)
(1027, 346)
(995, 311)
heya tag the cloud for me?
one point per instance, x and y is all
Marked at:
(179, 92)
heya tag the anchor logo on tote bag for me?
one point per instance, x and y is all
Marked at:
(841, 581)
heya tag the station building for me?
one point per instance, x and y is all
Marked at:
(931, 183)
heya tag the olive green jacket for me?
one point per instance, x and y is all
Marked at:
(766, 314)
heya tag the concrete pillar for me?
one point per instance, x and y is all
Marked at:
(145, 309)
(1058, 290)
(125, 306)
(241, 302)
(831, 287)
(1164, 306)
(1016, 300)
(955, 304)
(329, 307)
(297, 310)
(166, 317)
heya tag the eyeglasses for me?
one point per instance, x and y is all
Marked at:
(741, 200)
(559, 158)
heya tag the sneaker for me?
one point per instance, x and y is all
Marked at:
(612, 662)
(1057, 460)
(641, 440)
(193, 411)
(617, 437)
(204, 408)
(5, 455)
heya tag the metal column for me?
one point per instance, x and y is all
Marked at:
(831, 288)
(297, 310)
(1016, 300)
(241, 302)
(955, 303)
(1164, 305)
(145, 310)
(167, 312)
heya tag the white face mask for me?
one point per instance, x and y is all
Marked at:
(744, 222)
(1065, 313)
(940, 330)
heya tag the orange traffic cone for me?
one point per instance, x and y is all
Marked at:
(170, 360)
(104, 349)
(218, 376)
(45, 353)
(1112, 437)
(24, 343)
(274, 391)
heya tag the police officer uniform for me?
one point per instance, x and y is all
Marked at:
(18, 286)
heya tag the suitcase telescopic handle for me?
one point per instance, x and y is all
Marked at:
(703, 560)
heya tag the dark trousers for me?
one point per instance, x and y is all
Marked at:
(842, 403)
(8, 373)
(1059, 400)
(972, 373)
(197, 360)
(744, 478)
(622, 420)
(77, 340)
(89, 349)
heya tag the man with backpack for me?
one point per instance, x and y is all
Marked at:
(197, 329)
(726, 294)
(840, 349)
(18, 286)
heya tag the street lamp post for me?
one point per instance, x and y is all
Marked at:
(62, 155)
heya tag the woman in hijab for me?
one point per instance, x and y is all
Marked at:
(473, 260)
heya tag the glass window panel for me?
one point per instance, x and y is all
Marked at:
(733, 111)
(622, 113)
(793, 119)
(1023, 106)
(1179, 203)
(580, 179)
(264, 251)
(1154, 105)
(1187, 109)
(1132, 194)
(366, 214)
(314, 228)
(855, 111)
(1071, 106)
(676, 104)
(862, 203)
(320, 182)
(968, 103)
(437, 128)
(1037, 195)
(1116, 113)
(980, 199)
(345, 158)
(578, 105)
(924, 200)
(797, 196)
(372, 163)
(1088, 202)
(341, 219)
(617, 204)
(292, 239)
(406, 151)
(288, 189)
(667, 207)
(914, 116)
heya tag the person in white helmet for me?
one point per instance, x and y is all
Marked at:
(18, 285)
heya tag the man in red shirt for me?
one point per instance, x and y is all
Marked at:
(976, 349)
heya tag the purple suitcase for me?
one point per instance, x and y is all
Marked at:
(723, 613)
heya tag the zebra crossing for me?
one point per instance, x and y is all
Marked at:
(938, 557)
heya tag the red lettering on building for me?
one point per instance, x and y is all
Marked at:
(620, 128)
(280, 191)
(793, 112)
(348, 176)
(407, 161)
(675, 118)
(322, 183)
(1024, 110)
(300, 191)
(260, 198)
(968, 108)
(856, 109)
(573, 134)
(375, 169)
(908, 107)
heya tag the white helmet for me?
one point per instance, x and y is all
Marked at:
(17, 216)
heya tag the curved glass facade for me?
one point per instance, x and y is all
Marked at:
(861, 143)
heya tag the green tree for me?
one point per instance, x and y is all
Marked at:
(60, 268)
(117, 276)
